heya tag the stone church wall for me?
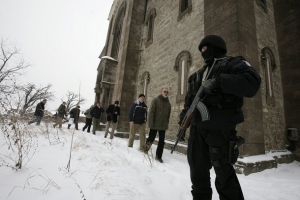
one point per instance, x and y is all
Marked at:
(273, 115)
(170, 37)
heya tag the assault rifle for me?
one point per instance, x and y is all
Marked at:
(196, 104)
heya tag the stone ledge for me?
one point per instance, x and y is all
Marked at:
(253, 164)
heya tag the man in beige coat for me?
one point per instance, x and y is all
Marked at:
(158, 121)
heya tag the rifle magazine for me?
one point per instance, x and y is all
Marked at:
(203, 111)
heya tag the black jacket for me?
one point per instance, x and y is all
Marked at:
(96, 112)
(111, 115)
(237, 79)
(39, 110)
(74, 113)
(138, 112)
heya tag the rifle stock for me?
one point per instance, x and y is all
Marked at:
(187, 120)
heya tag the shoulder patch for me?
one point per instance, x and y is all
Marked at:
(247, 63)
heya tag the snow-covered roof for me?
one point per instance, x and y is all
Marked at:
(108, 57)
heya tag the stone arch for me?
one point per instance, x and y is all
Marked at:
(150, 26)
(182, 64)
(117, 30)
(264, 52)
(268, 61)
(145, 80)
(185, 54)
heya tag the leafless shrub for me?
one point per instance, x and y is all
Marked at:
(149, 157)
(81, 142)
(21, 142)
(99, 178)
(52, 134)
(48, 183)
(70, 175)
(69, 162)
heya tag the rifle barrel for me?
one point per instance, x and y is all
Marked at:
(181, 132)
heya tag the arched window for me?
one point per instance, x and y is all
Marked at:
(269, 66)
(182, 63)
(117, 31)
(185, 6)
(263, 4)
(145, 80)
(150, 26)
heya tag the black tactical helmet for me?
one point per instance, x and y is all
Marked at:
(215, 41)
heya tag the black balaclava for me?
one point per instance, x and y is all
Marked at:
(215, 47)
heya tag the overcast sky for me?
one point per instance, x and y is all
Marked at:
(61, 39)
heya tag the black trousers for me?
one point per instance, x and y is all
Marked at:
(88, 124)
(161, 141)
(200, 160)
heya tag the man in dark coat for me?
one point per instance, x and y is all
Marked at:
(96, 113)
(137, 119)
(74, 113)
(112, 112)
(158, 121)
(224, 85)
(39, 112)
(60, 115)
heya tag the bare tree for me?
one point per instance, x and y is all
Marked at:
(20, 141)
(73, 100)
(32, 94)
(10, 65)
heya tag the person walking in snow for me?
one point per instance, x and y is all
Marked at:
(210, 142)
(74, 113)
(88, 119)
(96, 113)
(137, 119)
(112, 112)
(39, 112)
(158, 121)
(61, 112)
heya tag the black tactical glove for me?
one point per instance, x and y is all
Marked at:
(211, 86)
(180, 122)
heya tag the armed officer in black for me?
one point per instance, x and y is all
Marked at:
(224, 85)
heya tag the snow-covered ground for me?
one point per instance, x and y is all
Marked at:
(107, 169)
